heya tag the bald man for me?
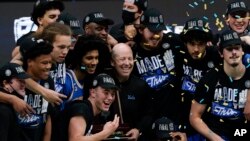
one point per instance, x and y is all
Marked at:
(134, 95)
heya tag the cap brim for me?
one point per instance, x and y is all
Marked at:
(109, 86)
(104, 21)
(237, 9)
(230, 43)
(156, 27)
(23, 76)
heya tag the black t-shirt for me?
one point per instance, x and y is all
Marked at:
(34, 124)
(24, 37)
(9, 128)
(225, 99)
(60, 119)
(158, 68)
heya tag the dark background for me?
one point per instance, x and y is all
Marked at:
(174, 11)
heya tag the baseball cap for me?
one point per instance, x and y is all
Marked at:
(228, 38)
(141, 4)
(41, 6)
(11, 70)
(29, 43)
(72, 22)
(153, 20)
(162, 127)
(105, 81)
(196, 24)
(236, 6)
(97, 17)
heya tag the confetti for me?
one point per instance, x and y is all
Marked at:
(179, 127)
(204, 17)
(205, 6)
(191, 5)
(183, 52)
(221, 120)
(215, 15)
(225, 104)
(230, 78)
(199, 56)
(212, 2)
(206, 87)
(172, 85)
(182, 99)
(195, 3)
(185, 60)
(187, 13)
(208, 109)
(201, 100)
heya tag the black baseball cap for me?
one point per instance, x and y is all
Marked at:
(72, 22)
(12, 70)
(141, 4)
(153, 20)
(236, 6)
(162, 127)
(228, 38)
(29, 43)
(41, 6)
(105, 81)
(196, 24)
(97, 17)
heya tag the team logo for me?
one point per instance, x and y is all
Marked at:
(87, 19)
(94, 83)
(210, 64)
(247, 84)
(166, 45)
(7, 72)
(46, 85)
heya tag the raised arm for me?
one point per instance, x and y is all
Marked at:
(77, 127)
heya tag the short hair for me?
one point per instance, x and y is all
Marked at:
(40, 8)
(49, 33)
(41, 48)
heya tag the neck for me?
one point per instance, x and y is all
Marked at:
(96, 111)
(79, 74)
(32, 75)
(235, 72)
(121, 78)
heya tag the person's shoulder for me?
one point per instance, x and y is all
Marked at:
(24, 37)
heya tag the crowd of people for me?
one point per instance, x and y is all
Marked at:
(79, 81)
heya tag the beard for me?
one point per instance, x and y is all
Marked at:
(234, 65)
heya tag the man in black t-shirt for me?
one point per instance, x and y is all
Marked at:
(75, 122)
(218, 109)
(37, 62)
(195, 58)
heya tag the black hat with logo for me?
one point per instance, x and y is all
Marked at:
(12, 70)
(153, 20)
(105, 81)
(228, 38)
(97, 17)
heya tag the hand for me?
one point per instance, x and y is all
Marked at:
(20, 106)
(178, 136)
(53, 96)
(246, 39)
(133, 134)
(247, 110)
(130, 31)
(111, 126)
(111, 40)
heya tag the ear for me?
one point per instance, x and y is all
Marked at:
(40, 20)
(92, 92)
(86, 28)
(221, 53)
(112, 62)
(227, 19)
